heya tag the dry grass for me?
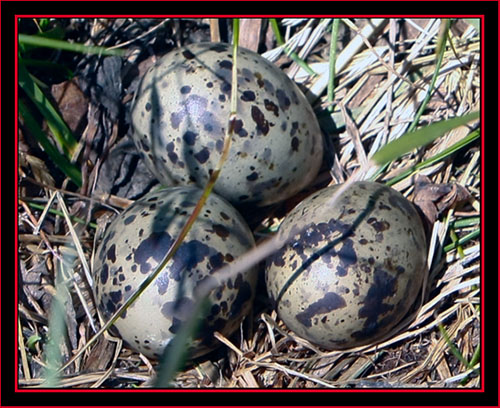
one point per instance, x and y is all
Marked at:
(383, 69)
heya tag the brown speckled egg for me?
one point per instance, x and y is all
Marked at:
(350, 271)
(180, 115)
(137, 241)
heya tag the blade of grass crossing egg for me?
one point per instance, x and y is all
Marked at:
(192, 218)
(177, 351)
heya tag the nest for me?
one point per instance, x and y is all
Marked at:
(383, 71)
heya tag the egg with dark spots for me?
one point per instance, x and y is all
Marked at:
(180, 129)
(351, 271)
(137, 241)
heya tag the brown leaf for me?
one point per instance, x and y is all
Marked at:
(100, 355)
(457, 194)
(72, 104)
(434, 199)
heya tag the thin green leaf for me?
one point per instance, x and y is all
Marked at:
(177, 352)
(40, 41)
(441, 47)
(474, 360)
(454, 239)
(56, 33)
(56, 334)
(466, 222)
(293, 55)
(32, 341)
(56, 123)
(463, 240)
(68, 168)
(456, 352)
(236, 31)
(471, 137)
(419, 138)
(331, 64)
(42, 23)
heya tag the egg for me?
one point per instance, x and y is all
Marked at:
(136, 242)
(180, 115)
(350, 271)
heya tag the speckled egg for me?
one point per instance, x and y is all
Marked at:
(138, 240)
(350, 271)
(180, 114)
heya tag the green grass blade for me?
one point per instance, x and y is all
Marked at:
(441, 47)
(475, 359)
(32, 341)
(56, 33)
(456, 352)
(293, 55)
(331, 64)
(466, 222)
(462, 241)
(40, 41)
(53, 354)
(56, 333)
(61, 161)
(471, 137)
(177, 352)
(419, 138)
(236, 31)
(56, 123)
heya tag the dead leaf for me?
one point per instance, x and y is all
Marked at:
(72, 104)
(100, 356)
(434, 199)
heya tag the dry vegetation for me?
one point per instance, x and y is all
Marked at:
(383, 71)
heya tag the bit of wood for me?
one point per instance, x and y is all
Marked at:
(214, 30)
(250, 29)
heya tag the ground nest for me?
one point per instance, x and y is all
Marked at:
(383, 71)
